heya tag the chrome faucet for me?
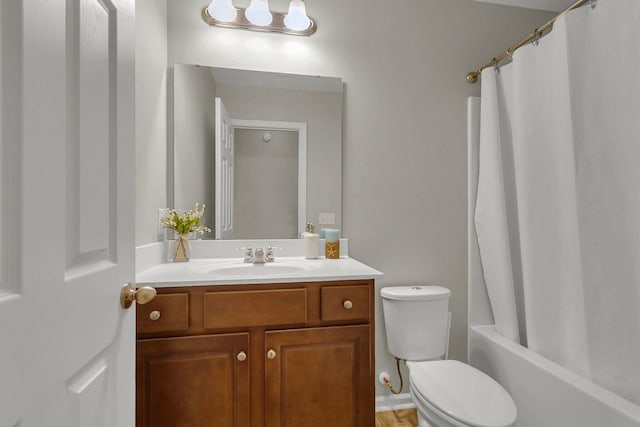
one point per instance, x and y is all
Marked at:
(258, 256)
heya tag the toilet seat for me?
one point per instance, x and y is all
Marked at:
(462, 393)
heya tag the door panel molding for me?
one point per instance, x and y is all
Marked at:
(91, 126)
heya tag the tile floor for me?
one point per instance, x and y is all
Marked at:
(398, 418)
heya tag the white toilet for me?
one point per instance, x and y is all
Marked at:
(447, 393)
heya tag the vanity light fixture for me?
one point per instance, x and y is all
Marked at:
(258, 13)
(297, 18)
(222, 10)
(258, 17)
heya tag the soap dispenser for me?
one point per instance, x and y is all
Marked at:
(311, 242)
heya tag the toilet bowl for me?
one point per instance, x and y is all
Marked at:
(447, 393)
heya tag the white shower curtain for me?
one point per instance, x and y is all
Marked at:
(558, 208)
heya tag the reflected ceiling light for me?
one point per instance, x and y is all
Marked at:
(258, 13)
(297, 18)
(258, 17)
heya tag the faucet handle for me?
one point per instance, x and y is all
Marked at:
(269, 255)
(248, 254)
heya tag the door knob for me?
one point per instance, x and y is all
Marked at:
(142, 295)
(242, 356)
(271, 354)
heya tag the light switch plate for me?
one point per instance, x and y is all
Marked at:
(326, 218)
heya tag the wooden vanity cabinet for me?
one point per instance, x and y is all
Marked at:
(189, 381)
(268, 355)
(318, 377)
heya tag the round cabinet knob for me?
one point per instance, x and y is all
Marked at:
(154, 315)
(242, 356)
(347, 304)
(271, 354)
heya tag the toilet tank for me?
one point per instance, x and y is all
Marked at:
(416, 320)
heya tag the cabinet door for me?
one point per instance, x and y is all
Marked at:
(193, 381)
(319, 377)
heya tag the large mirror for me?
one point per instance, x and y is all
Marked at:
(285, 135)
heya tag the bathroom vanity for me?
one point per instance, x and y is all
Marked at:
(258, 350)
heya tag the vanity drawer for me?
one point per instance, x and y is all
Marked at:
(254, 308)
(345, 303)
(166, 313)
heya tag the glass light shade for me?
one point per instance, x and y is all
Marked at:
(297, 18)
(222, 10)
(258, 13)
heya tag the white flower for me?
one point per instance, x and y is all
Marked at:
(185, 221)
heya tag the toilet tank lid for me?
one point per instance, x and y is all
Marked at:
(413, 293)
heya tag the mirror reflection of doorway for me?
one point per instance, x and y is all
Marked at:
(260, 178)
(253, 100)
(266, 183)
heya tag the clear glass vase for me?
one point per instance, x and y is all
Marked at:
(181, 248)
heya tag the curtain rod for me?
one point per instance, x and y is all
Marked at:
(472, 77)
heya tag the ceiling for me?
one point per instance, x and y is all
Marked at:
(554, 5)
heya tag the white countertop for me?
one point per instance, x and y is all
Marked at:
(225, 271)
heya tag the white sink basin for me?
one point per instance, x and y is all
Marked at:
(271, 269)
(227, 271)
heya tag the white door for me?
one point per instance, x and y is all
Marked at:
(67, 348)
(224, 163)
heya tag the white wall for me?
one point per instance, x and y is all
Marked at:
(404, 144)
(151, 116)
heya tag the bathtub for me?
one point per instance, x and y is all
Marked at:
(546, 394)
